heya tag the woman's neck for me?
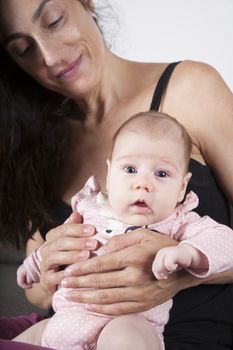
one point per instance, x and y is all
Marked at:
(120, 81)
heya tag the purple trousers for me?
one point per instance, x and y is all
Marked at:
(10, 327)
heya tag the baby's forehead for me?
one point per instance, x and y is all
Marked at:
(153, 135)
(133, 144)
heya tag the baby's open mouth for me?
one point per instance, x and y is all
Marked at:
(140, 207)
(141, 203)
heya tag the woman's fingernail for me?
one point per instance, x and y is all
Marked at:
(64, 283)
(83, 254)
(68, 296)
(89, 307)
(88, 230)
(68, 272)
(102, 251)
(91, 244)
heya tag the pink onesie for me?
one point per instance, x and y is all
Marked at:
(72, 327)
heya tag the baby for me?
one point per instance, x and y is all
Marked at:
(146, 185)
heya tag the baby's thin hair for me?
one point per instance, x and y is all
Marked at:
(159, 125)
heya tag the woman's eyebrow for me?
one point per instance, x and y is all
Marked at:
(12, 37)
(35, 17)
(39, 10)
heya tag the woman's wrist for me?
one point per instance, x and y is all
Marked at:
(39, 297)
(179, 281)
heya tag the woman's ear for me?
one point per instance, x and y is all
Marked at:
(108, 162)
(185, 182)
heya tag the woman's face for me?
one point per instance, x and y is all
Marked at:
(55, 41)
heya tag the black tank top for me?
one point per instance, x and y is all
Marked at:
(201, 317)
(212, 200)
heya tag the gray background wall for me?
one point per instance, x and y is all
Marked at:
(169, 30)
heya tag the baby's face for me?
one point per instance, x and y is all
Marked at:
(146, 178)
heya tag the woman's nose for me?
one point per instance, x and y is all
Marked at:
(49, 53)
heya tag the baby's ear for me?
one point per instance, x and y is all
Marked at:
(108, 162)
(185, 182)
(188, 177)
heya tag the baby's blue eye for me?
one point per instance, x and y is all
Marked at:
(130, 170)
(161, 173)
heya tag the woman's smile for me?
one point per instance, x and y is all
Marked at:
(70, 71)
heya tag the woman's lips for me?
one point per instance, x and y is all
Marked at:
(70, 70)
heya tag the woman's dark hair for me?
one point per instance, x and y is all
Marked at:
(33, 143)
(34, 134)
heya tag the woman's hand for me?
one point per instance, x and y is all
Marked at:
(122, 277)
(65, 245)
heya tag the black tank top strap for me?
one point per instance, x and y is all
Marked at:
(161, 86)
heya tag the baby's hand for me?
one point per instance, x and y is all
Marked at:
(23, 279)
(169, 259)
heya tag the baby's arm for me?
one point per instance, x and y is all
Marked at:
(29, 272)
(23, 278)
(170, 259)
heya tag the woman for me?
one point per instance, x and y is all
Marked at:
(59, 44)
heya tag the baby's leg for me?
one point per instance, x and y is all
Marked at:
(130, 332)
(73, 328)
(33, 334)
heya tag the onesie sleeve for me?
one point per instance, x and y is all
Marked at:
(212, 239)
(91, 188)
(32, 265)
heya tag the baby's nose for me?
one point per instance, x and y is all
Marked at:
(142, 185)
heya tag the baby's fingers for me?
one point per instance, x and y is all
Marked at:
(158, 267)
(170, 264)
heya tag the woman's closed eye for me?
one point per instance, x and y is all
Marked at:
(53, 16)
(55, 23)
(21, 49)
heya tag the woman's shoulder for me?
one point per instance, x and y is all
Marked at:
(198, 98)
(196, 90)
(196, 77)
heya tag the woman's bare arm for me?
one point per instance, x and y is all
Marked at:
(220, 278)
(200, 99)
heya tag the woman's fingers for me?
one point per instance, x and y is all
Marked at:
(65, 245)
(139, 254)
(116, 308)
(97, 264)
(130, 276)
(115, 301)
(70, 244)
(120, 242)
(50, 280)
(136, 237)
(97, 281)
(66, 251)
(60, 258)
(71, 230)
